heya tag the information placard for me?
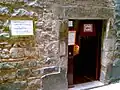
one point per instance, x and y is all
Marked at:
(71, 37)
(21, 27)
(88, 28)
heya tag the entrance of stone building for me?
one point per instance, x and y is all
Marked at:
(85, 65)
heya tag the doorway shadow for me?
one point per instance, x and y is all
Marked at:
(85, 61)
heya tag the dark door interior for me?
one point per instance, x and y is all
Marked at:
(85, 66)
(85, 61)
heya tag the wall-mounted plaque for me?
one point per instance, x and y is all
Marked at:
(71, 37)
(21, 27)
(88, 28)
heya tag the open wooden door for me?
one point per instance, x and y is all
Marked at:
(71, 42)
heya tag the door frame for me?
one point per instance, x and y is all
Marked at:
(98, 68)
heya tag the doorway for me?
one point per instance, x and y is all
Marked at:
(85, 66)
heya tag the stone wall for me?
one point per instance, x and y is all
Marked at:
(114, 75)
(107, 54)
(24, 60)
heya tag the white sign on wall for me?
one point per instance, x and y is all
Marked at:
(21, 27)
(71, 37)
(88, 28)
(70, 23)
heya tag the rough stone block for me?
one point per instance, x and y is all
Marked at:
(116, 54)
(102, 76)
(109, 72)
(63, 49)
(107, 57)
(58, 12)
(115, 74)
(29, 63)
(45, 70)
(118, 33)
(51, 49)
(4, 10)
(19, 65)
(50, 69)
(111, 34)
(32, 64)
(17, 52)
(36, 72)
(17, 85)
(32, 52)
(8, 76)
(24, 12)
(82, 12)
(34, 84)
(6, 65)
(109, 44)
(35, 3)
(12, 75)
(5, 56)
(117, 48)
(23, 73)
(55, 81)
